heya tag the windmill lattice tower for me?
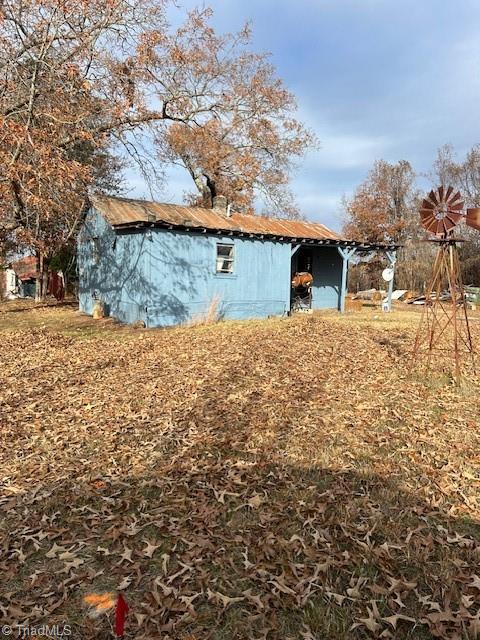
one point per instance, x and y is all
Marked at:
(444, 325)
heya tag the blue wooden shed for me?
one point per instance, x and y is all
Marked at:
(164, 264)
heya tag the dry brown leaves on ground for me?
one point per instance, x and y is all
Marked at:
(285, 479)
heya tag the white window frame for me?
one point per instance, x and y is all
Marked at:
(221, 260)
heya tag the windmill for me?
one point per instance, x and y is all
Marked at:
(444, 325)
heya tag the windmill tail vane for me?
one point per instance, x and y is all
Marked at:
(444, 325)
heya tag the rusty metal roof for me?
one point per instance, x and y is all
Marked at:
(122, 212)
(25, 268)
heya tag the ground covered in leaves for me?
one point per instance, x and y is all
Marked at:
(283, 479)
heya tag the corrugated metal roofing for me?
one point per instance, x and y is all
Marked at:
(123, 211)
(25, 268)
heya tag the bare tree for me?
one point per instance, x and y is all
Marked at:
(464, 176)
(233, 123)
(79, 79)
(384, 209)
(62, 89)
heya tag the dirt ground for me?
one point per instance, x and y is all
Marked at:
(290, 478)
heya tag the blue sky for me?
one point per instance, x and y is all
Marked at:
(373, 78)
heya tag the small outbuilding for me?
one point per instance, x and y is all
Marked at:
(21, 276)
(165, 264)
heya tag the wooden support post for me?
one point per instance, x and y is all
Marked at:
(392, 258)
(346, 253)
(295, 249)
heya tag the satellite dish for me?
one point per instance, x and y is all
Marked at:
(387, 274)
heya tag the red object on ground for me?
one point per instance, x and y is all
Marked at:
(120, 615)
(55, 285)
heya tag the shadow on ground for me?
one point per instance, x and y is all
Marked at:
(227, 480)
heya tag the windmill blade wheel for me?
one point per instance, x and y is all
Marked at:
(440, 211)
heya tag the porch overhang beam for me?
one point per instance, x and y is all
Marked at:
(392, 259)
(346, 253)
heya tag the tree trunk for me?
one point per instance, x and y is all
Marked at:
(41, 280)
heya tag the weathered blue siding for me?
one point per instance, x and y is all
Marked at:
(184, 282)
(167, 277)
(117, 276)
(327, 278)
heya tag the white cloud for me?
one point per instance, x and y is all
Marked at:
(348, 152)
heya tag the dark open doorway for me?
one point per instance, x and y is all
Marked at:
(300, 295)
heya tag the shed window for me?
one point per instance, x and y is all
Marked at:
(225, 258)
